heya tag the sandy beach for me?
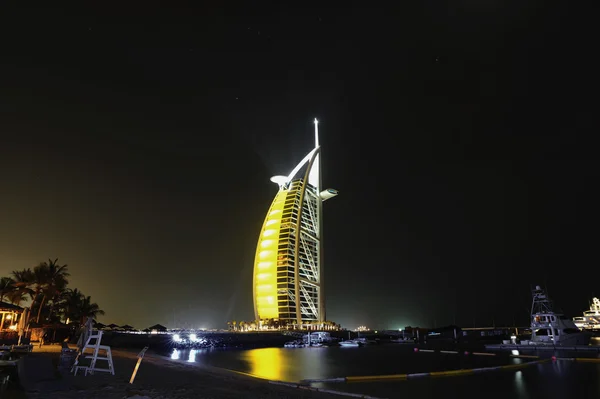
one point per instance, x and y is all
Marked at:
(157, 378)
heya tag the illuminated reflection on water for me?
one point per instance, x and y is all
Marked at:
(520, 387)
(559, 367)
(266, 363)
(295, 364)
(549, 380)
(283, 365)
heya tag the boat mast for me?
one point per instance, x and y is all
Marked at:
(541, 303)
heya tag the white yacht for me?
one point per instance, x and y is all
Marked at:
(350, 343)
(549, 327)
(294, 344)
(591, 318)
(317, 337)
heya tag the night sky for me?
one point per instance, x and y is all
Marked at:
(137, 145)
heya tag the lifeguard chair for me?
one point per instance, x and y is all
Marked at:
(98, 352)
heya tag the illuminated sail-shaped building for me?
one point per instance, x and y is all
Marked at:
(288, 267)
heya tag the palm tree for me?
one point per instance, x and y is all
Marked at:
(6, 287)
(59, 279)
(88, 309)
(69, 304)
(50, 278)
(75, 306)
(23, 283)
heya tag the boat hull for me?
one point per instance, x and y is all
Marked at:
(350, 344)
(577, 339)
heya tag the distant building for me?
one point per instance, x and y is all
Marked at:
(288, 267)
(157, 328)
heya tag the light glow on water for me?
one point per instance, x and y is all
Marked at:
(561, 379)
(520, 384)
(266, 363)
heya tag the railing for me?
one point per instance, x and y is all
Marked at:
(293, 333)
(541, 325)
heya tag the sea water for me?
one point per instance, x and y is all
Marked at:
(552, 379)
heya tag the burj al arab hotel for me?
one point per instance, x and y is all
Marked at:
(288, 267)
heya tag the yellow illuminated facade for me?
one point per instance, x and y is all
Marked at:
(288, 283)
(265, 267)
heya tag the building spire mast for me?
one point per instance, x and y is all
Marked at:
(316, 133)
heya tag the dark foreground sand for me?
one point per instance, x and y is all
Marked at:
(157, 378)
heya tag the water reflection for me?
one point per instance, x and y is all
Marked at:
(269, 363)
(560, 379)
(266, 363)
(287, 364)
(520, 386)
(559, 367)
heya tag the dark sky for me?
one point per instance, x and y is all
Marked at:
(137, 144)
